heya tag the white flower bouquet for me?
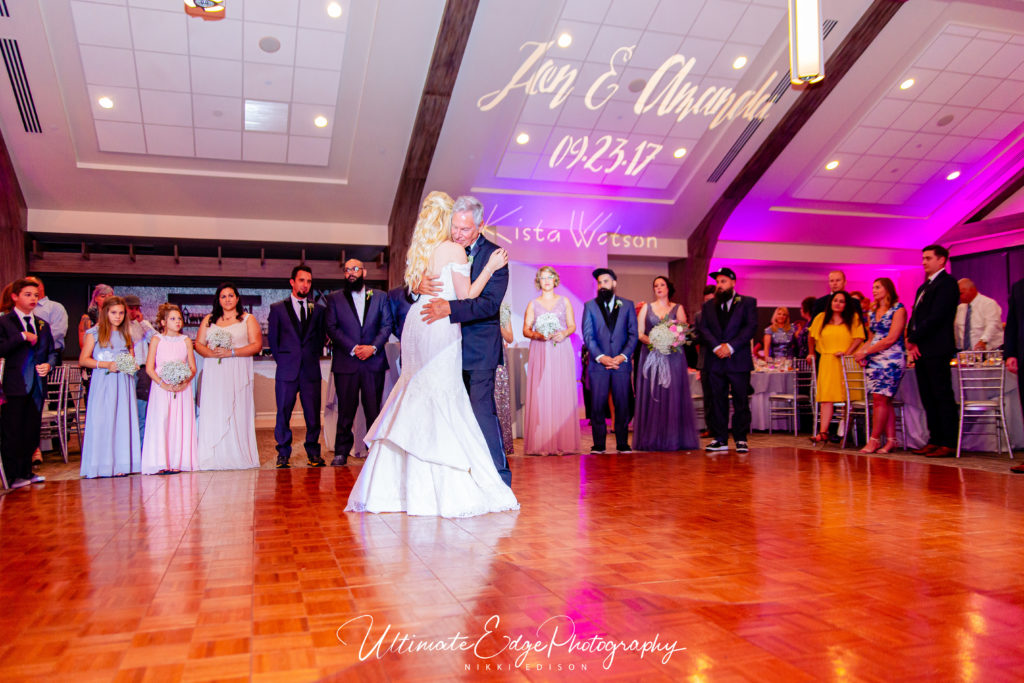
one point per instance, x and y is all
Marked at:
(505, 314)
(218, 338)
(174, 373)
(125, 362)
(547, 324)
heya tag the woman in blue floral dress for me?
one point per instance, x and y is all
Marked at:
(885, 358)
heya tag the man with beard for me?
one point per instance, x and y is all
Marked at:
(295, 331)
(359, 324)
(727, 324)
(610, 335)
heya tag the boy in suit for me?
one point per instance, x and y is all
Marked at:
(727, 324)
(610, 335)
(295, 332)
(26, 344)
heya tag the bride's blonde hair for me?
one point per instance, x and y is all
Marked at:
(433, 227)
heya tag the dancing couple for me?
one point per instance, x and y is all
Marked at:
(435, 448)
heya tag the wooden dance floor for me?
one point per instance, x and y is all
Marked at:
(784, 565)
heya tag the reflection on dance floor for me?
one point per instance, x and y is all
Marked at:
(782, 565)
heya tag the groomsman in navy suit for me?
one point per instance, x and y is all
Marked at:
(610, 334)
(727, 324)
(359, 323)
(26, 345)
(295, 331)
(482, 348)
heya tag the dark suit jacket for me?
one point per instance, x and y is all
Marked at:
(1013, 340)
(480, 317)
(620, 340)
(20, 376)
(345, 331)
(739, 330)
(400, 302)
(931, 325)
(296, 351)
(821, 306)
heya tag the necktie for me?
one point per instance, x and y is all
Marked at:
(468, 249)
(967, 329)
(302, 312)
(28, 324)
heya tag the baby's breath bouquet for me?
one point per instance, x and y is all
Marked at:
(547, 324)
(505, 314)
(125, 362)
(218, 338)
(174, 373)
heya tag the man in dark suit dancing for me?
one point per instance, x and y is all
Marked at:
(727, 324)
(295, 331)
(1013, 341)
(26, 345)
(931, 344)
(482, 350)
(401, 301)
(610, 335)
(359, 324)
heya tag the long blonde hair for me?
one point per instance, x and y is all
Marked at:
(433, 227)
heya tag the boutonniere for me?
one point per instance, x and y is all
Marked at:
(470, 261)
(618, 303)
(369, 293)
(737, 298)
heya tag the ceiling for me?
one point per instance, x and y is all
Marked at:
(608, 130)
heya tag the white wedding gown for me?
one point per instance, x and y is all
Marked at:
(427, 453)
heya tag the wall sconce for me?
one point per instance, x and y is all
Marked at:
(806, 54)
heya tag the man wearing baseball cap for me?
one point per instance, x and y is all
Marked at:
(727, 325)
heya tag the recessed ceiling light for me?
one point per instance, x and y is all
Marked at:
(334, 10)
(679, 153)
(944, 121)
(269, 44)
(522, 138)
(739, 63)
(637, 84)
(320, 121)
(105, 102)
(953, 176)
(564, 40)
(831, 165)
(907, 84)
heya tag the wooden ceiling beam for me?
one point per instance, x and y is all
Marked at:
(702, 242)
(449, 48)
(13, 220)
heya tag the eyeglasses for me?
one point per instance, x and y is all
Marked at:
(354, 269)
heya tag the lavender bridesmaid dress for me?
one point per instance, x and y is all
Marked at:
(665, 417)
(551, 419)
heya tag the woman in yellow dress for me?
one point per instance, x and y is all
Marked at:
(835, 333)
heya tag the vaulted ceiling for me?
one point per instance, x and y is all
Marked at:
(284, 122)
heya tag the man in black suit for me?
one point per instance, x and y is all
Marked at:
(359, 324)
(1013, 340)
(727, 324)
(401, 301)
(702, 357)
(931, 344)
(26, 345)
(295, 332)
(836, 283)
(482, 348)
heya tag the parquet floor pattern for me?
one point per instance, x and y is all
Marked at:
(786, 564)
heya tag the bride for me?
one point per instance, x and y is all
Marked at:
(427, 453)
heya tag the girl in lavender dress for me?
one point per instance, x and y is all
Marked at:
(110, 445)
(552, 422)
(170, 443)
(666, 419)
(885, 357)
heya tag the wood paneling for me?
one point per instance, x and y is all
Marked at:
(444, 68)
(13, 219)
(701, 243)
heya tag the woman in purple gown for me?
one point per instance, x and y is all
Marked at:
(665, 417)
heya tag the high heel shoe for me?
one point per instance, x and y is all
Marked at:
(868, 448)
(819, 439)
(889, 447)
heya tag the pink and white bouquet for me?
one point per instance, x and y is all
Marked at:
(668, 336)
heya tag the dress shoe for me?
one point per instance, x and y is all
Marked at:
(318, 462)
(925, 449)
(1019, 469)
(282, 462)
(339, 460)
(941, 452)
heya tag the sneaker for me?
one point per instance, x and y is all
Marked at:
(742, 447)
(37, 479)
(596, 451)
(717, 445)
(282, 463)
(20, 483)
(319, 462)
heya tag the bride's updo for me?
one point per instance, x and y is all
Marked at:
(433, 227)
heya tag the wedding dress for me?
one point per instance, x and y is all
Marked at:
(427, 453)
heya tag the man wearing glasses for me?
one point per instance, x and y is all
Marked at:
(359, 323)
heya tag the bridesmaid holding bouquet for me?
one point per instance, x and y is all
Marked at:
(551, 420)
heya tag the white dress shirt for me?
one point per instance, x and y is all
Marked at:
(359, 299)
(986, 323)
(56, 316)
(21, 319)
